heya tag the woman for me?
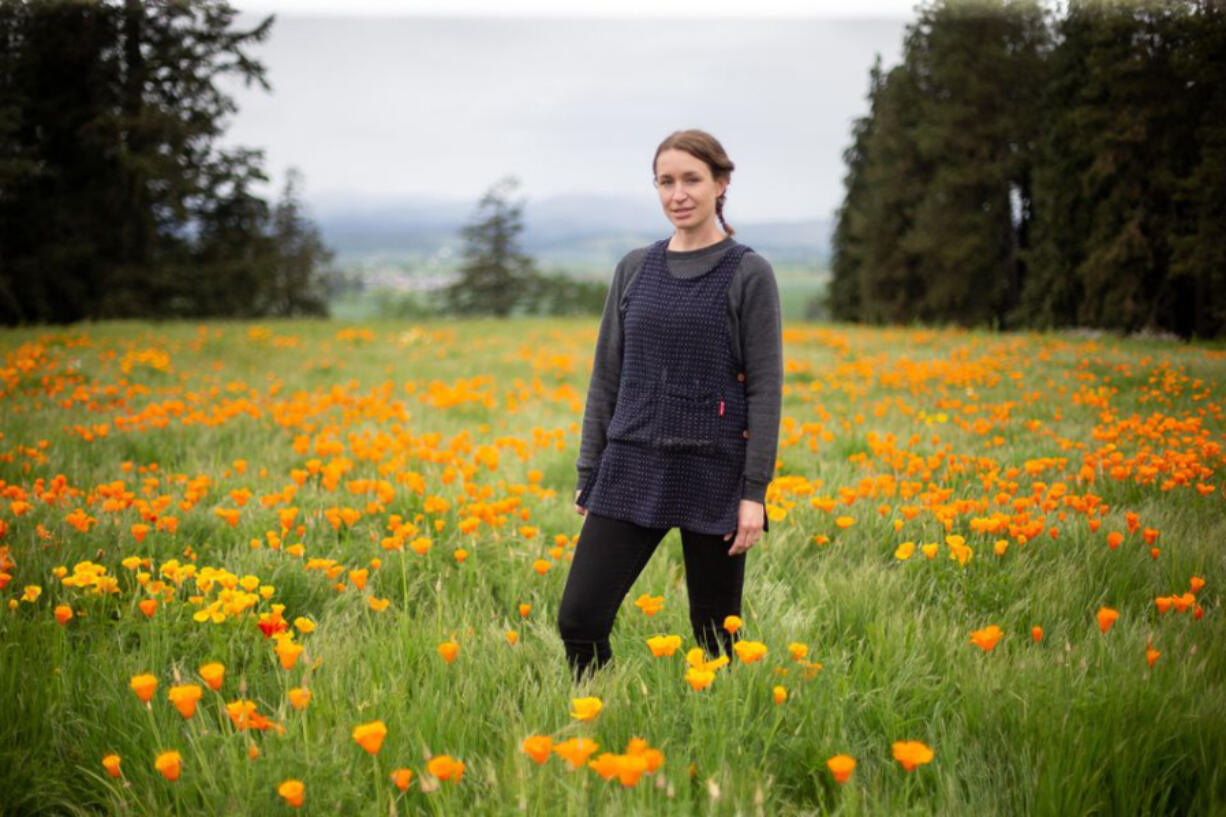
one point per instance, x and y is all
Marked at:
(682, 415)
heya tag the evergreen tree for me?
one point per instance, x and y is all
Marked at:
(495, 272)
(301, 281)
(233, 256)
(1131, 114)
(172, 115)
(1052, 290)
(1198, 257)
(847, 244)
(895, 175)
(116, 199)
(977, 69)
(58, 169)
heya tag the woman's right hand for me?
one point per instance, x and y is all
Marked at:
(579, 509)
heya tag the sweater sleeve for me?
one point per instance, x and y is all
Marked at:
(606, 375)
(761, 336)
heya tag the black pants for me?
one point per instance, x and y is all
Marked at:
(609, 557)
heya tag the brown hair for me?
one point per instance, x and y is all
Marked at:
(704, 146)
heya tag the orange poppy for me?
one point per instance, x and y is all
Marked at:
(169, 764)
(699, 679)
(288, 652)
(537, 747)
(401, 778)
(749, 651)
(986, 638)
(841, 767)
(664, 645)
(911, 753)
(292, 792)
(576, 751)
(144, 685)
(185, 697)
(445, 767)
(370, 736)
(213, 674)
(1106, 617)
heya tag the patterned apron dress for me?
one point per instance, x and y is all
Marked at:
(675, 448)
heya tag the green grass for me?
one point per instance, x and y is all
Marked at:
(1075, 724)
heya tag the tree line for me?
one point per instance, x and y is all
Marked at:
(116, 199)
(1027, 168)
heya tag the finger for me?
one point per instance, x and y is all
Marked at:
(738, 546)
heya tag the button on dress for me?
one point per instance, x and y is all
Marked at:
(675, 446)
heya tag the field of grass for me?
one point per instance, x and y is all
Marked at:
(381, 515)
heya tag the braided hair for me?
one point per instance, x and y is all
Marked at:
(704, 146)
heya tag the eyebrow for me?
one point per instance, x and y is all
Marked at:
(685, 173)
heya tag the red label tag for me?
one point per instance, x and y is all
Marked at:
(721, 408)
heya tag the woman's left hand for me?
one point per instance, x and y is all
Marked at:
(751, 516)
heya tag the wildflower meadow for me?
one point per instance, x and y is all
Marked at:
(308, 567)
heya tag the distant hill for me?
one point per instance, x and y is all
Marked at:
(584, 235)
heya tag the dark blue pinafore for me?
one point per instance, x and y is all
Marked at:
(675, 446)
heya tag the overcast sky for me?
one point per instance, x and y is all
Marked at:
(372, 107)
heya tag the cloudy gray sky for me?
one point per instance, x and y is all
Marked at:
(373, 108)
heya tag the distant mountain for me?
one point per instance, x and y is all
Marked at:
(582, 234)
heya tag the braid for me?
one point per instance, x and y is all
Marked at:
(719, 212)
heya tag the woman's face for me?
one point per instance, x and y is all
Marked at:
(687, 189)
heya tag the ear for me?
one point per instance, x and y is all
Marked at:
(723, 188)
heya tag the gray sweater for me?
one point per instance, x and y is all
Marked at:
(754, 325)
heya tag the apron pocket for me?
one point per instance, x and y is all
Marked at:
(633, 414)
(688, 422)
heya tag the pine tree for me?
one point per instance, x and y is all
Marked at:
(172, 116)
(1052, 290)
(116, 197)
(1198, 257)
(977, 68)
(894, 179)
(495, 272)
(301, 278)
(58, 172)
(847, 250)
(1131, 111)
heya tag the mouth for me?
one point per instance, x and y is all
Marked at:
(683, 213)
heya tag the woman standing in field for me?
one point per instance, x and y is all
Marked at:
(682, 416)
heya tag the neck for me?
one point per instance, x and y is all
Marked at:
(684, 240)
